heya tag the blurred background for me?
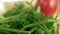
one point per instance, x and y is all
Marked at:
(8, 4)
(58, 7)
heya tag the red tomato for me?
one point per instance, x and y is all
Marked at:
(48, 7)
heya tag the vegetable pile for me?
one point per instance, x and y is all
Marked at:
(22, 20)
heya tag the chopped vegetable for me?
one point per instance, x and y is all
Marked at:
(26, 21)
(48, 7)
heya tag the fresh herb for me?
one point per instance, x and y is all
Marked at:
(22, 20)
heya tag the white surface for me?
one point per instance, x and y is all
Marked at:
(2, 8)
(10, 0)
(13, 0)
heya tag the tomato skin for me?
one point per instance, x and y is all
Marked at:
(48, 7)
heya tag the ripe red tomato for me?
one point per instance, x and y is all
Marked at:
(48, 7)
